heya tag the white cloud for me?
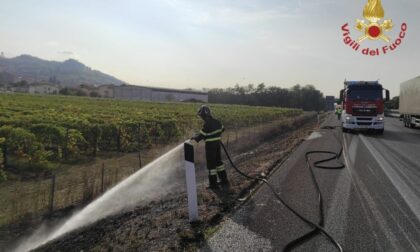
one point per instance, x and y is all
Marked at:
(65, 52)
(52, 43)
(223, 13)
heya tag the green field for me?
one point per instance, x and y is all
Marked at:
(39, 132)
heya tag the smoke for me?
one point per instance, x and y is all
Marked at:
(151, 182)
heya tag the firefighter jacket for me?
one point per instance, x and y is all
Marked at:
(211, 131)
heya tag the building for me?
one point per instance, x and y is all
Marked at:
(87, 89)
(21, 87)
(132, 92)
(43, 88)
(106, 91)
(329, 103)
(165, 94)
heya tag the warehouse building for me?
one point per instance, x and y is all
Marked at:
(132, 92)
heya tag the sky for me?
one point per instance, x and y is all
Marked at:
(214, 43)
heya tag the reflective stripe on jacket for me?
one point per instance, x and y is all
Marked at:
(211, 131)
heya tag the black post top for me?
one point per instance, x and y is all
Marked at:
(189, 152)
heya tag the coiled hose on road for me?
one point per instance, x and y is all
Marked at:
(318, 228)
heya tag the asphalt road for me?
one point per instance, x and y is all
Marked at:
(371, 205)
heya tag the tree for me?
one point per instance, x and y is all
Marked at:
(260, 88)
(80, 93)
(304, 97)
(64, 91)
(394, 103)
(94, 94)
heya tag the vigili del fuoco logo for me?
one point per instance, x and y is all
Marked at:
(372, 28)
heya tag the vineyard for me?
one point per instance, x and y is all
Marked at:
(37, 133)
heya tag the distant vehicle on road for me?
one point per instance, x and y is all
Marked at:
(363, 106)
(410, 102)
(329, 103)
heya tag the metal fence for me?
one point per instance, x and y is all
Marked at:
(392, 113)
(80, 184)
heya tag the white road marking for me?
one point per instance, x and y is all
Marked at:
(337, 211)
(405, 191)
(365, 197)
(353, 148)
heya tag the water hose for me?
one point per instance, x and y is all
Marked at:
(318, 228)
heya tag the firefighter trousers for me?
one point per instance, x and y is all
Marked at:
(215, 165)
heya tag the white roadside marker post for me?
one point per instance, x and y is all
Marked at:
(191, 181)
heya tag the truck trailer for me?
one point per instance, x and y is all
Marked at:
(329, 103)
(363, 106)
(410, 102)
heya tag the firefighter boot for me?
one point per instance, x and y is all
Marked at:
(213, 182)
(224, 182)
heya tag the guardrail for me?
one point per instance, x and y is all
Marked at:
(392, 113)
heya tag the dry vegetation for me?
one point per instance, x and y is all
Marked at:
(163, 225)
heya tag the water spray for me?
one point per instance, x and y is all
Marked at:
(160, 177)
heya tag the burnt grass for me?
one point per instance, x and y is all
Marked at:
(163, 225)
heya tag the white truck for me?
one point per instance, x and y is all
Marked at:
(410, 102)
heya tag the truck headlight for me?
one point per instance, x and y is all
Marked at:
(348, 118)
(381, 118)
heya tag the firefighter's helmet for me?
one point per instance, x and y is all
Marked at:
(204, 111)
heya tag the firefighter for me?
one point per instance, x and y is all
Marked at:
(338, 111)
(211, 134)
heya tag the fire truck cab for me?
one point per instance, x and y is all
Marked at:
(363, 106)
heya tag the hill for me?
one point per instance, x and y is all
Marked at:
(68, 73)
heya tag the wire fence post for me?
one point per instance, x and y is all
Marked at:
(116, 175)
(227, 142)
(155, 133)
(102, 177)
(4, 149)
(140, 163)
(52, 193)
(119, 139)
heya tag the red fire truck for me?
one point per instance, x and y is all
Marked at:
(363, 106)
